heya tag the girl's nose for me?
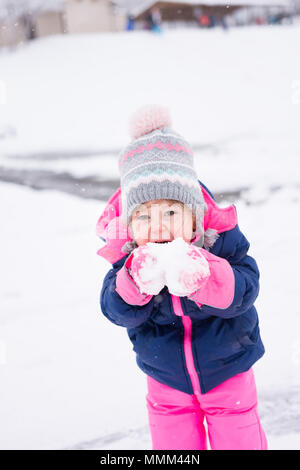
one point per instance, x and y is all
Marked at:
(158, 229)
(155, 230)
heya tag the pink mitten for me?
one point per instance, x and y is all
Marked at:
(146, 271)
(188, 271)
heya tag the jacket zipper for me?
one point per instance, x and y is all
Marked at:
(187, 343)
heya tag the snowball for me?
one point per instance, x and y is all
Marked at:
(177, 264)
(149, 276)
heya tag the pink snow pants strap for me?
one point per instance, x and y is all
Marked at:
(127, 288)
(230, 409)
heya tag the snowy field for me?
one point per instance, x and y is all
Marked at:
(68, 376)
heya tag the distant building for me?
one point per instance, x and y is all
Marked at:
(12, 32)
(88, 16)
(74, 16)
(92, 16)
(30, 25)
(48, 23)
(191, 12)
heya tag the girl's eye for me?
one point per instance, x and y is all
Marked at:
(170, 212)
(143, 217)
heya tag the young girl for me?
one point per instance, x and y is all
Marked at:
(183, 285)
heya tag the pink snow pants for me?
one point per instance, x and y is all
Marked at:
(230, 409)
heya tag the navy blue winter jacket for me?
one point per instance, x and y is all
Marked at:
(225, 342)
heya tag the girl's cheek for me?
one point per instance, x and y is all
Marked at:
(184, 229)
(143, 229)
(178, 226)
(140, 231)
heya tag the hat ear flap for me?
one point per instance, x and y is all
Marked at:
(200, 241)
(129, 246)
(210, 236)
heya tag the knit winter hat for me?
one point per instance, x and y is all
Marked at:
(158, 164)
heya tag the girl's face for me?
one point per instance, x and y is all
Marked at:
(162, 220)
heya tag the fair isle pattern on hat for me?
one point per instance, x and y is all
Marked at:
(158, 164)
(159, 145)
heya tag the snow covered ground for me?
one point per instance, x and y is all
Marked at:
(235, 96)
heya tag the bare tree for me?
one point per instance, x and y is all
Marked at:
(25, 11)
(14, 9)
(297, 6)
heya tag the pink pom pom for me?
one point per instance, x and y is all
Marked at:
(148, 118)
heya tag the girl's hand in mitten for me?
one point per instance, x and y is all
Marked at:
(188, 269)
(146, 270)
